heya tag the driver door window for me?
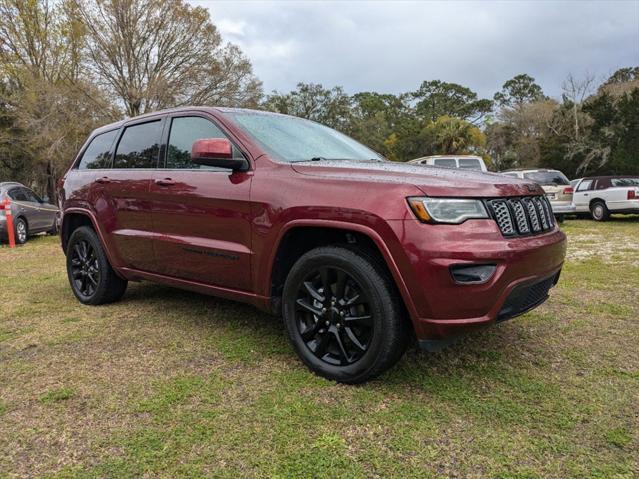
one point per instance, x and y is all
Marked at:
(184, 132)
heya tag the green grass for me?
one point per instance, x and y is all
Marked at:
(168, 383)
(56, 395)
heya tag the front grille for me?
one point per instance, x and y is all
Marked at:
(522, 216)
(525, 297)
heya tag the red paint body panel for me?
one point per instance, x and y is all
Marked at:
(218, 232)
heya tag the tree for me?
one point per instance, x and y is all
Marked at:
(153, 54)
(377, 118)
(48, 107)
(448, 136)
(437, 98)
(313, 102)
(517, 91)
(38, 40)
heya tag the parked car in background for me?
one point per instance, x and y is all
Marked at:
(31, 214)
(574, 183)
(285, 214)
(602, 195)
(555, 184)
(463, 162)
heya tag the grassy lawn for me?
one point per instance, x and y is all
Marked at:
(168, 383)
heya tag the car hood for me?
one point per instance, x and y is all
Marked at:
(432, 181)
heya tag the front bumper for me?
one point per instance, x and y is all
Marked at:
(445, 309)
(562, 207)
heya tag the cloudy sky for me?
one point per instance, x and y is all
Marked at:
(394, 46)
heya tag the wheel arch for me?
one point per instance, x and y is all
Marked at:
(299, 237)
(74, 218)
(596, 200)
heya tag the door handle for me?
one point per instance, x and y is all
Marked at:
(585, 194)
(104, 179)
(165, 182)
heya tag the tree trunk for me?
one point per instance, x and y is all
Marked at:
(51, 190)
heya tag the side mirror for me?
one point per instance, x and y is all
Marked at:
(216, 152)
(45, 200)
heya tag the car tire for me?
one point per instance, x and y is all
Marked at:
(21, 231)
(92, 279)
(560, 218)
(599, 211)
(356, 331)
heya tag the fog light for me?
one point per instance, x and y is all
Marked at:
(472, 273)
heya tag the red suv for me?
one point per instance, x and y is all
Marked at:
(356, 252)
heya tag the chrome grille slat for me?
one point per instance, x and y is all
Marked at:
(522, 216)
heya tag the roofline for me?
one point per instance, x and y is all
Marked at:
(608, 177)
(223, 110)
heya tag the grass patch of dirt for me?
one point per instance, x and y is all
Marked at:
(168, 383)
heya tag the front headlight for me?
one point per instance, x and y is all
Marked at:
(447, 210)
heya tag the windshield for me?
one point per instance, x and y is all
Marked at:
(547, 177)
(292, 139)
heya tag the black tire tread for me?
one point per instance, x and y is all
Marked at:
(111, 287)
(396, 334)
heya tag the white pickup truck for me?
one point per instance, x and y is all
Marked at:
(602, 195)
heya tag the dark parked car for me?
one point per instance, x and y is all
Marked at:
(356, 252)
(31, 214)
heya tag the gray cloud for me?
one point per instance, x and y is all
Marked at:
(394, 46)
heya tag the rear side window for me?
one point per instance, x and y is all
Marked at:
(98, 153)
(469, 164)
(185, 131)
(446, 162)
(584, 185)
(625, 182)
(139, 146)
(18, 194)
(547, 178)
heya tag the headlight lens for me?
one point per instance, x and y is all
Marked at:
(447, 210)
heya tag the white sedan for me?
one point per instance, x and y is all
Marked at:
(602, 195)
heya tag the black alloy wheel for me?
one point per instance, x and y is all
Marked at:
(343, 313)
(93, 280)
(85, 269)
(333, 316)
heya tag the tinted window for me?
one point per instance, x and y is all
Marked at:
(184, 131)
(625, 182)
(18, 194)
(469, 164)
(584, 185)
(98, 153)
(139, 146)
(447, 162)
(547, 177)
(30, 195)
(293, 139)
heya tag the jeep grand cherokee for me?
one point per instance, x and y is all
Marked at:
(357, 253)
